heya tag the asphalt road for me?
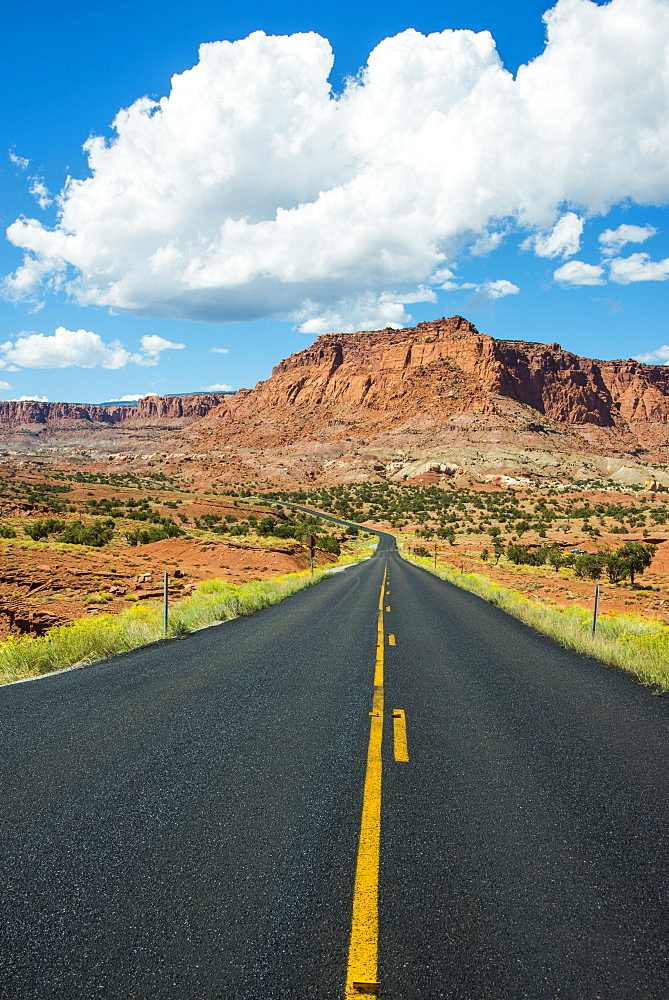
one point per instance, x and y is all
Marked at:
(182, 822)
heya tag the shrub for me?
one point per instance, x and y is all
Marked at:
(42, 529)
(143, 536)
(329, 543)
(97, 534)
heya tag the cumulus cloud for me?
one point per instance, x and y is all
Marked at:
(217, 387)
(40, 192)
(152, 348)
(485, 292)
(498, 289)
(486, 243)
(18, 161)
(658, 357)
(29, 399)
(577, 272)
(4, 386)
(613, 240)
(80, 348)
(563, 240)
(638, 267)
(132, 397)
(252, 191)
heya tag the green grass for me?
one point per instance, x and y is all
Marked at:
(637, 645)
(93, 639)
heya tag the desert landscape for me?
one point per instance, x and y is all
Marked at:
(439, 434)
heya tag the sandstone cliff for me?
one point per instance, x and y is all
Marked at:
(389, 401)
(447, 367)
(151, 408)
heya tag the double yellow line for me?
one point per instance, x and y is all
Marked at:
(362, 969)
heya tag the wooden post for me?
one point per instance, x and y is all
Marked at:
(595, 610)
(165, 579)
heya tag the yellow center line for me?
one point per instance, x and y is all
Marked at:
(391, 639)
(400, 735)
(363, 953)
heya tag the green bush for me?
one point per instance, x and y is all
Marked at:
(97, 534)
(42, 529)
(143, 536)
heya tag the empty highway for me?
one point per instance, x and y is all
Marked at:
(381, 786)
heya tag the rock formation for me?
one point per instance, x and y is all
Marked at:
(28, 412)
(390, 401)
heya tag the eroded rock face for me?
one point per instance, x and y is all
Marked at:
(447, 366)
(385, 402)
(29, 412)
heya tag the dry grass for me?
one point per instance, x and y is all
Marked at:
(93, 639)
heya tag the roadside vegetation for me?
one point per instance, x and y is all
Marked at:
(558, 539)
(95, 638)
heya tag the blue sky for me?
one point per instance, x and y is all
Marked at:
(239, 208)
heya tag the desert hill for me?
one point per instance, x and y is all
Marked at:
(393, 403)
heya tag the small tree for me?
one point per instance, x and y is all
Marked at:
(637, 557)
(589, 566)
(616, 568)
(555, 558)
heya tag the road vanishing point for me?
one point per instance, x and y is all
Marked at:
(382, 786)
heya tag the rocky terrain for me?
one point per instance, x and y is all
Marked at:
(439, 397)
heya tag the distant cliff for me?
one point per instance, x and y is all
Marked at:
(447, 366)
(149, 409)
(354, 404)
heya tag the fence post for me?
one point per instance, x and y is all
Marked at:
(165, 579)
(595, 610)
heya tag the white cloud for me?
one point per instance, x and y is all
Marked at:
(40, 192)
(80, 348)
(486, 243)
(29, 399)
(563, 240)
(613, 240)
(658, 357)
(132, 397)
(577, 272)
(219, 350)
(217, 387)
(449, 281)
(18, 161)
(152, 347)
(251, 191)
(4, 386)
(498, 289)
(486, 291)
(364, 312)
(638, 267)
